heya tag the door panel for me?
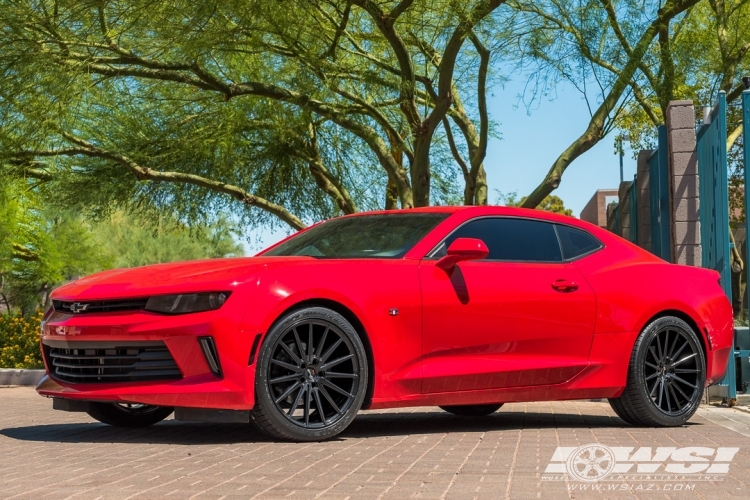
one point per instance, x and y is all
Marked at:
(490, 324)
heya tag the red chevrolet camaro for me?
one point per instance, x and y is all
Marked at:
(465, 308)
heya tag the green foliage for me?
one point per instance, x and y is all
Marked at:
(130, 243)
(19, 340)
(551, 203)
(297, 115)
(42, 247)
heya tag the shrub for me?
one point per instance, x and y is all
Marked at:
(19, 340)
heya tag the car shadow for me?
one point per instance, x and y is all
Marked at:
(366, 425)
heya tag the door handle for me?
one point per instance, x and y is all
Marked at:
(565, 286)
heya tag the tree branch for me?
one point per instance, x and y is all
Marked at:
(144, 173)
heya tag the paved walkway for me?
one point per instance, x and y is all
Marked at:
(396, 454)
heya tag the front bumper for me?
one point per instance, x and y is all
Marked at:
(197, 387)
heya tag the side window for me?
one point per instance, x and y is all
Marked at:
(576, 242)
(511, 239)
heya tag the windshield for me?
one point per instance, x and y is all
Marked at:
(375, 236)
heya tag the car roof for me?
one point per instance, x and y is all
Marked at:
(478, 211)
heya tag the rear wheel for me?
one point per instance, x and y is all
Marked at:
(128, 414)
(472, 410)
(666, 376)
(312, 376)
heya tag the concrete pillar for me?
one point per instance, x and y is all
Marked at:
(683, 177)
(644, 201)
(595, 210)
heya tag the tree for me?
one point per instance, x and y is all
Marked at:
(551, 203)
(587, 44)
(318, 108)
(41, 247)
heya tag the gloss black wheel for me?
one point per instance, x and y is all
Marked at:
(311, 376)
(472, 410)
(666, 376)
(128, 414)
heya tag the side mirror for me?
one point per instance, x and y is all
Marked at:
(463, 249)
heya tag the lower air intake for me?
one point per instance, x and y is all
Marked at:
(108, 362)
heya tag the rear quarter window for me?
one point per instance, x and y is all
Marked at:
(576, 242)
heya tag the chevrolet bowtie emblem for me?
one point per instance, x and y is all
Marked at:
(77, 307)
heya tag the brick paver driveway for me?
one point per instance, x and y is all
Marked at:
(414, 453)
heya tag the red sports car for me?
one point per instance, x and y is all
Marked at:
(465, 308)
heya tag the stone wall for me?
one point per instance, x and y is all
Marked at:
(683, 176)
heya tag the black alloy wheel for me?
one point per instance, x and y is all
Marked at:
(311, 377)
(666, 376)
(128, 414)
(472, 410)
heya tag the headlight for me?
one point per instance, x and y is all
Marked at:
(188, 303)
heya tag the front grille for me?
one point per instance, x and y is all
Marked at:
(108, 362)
(99, 306)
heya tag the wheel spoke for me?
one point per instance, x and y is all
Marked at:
(686, 370)
(319, 406)
(330, 350)
(336, 388)
(285, 378)
(651, 365)
(684, 382)
(676, 399)
(685, 359)
(674, 345)
(337, 361)
(291, 353)
(658, 346)
(681, 349)
(653, 375)
(652, 394)
(328, 397)
(307, 407)
(288, 391)
(310, 350)
(661, 392)
(297, 399)
(666, 395)
(666, 343)
(319, 350)
(340, 375)
(653, 353)
(295, 369)
(679, 389)
(302, 352)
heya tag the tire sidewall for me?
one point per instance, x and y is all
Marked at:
(265, 400)
(638, 365)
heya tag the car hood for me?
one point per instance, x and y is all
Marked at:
(177, 277)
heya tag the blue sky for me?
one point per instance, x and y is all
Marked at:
(530, 143)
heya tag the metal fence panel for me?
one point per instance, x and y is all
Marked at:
(633, 207)
(658, 179)
(712, 186)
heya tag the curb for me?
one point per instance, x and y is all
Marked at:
(10, 376)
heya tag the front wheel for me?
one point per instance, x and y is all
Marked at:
(666, 376)
(311, 377)
(128, 414)
(472, 410)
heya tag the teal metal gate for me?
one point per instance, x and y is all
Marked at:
(633, 207)
(712, 187)
(658, 180)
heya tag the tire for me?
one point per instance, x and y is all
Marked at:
(128, 415)
(298, 397)
(666, 376)
(472, 410)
